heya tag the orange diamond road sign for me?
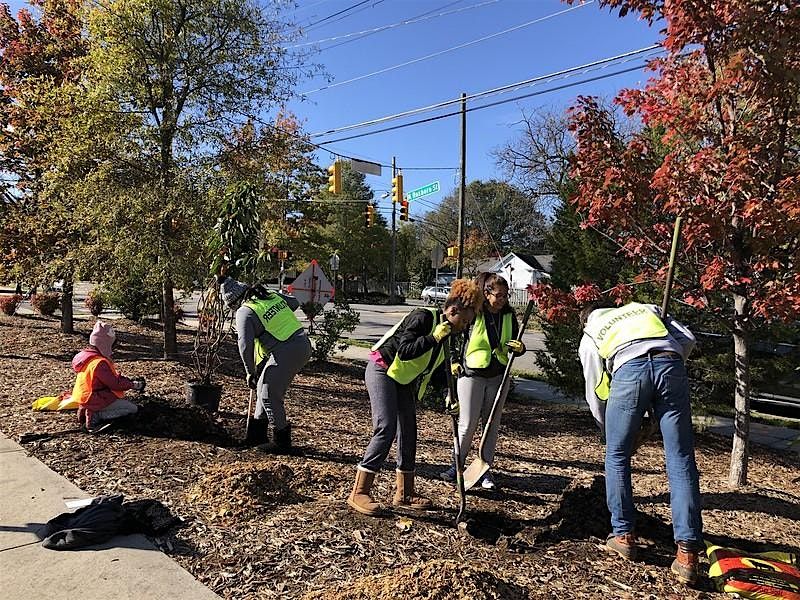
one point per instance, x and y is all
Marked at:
(312, 286)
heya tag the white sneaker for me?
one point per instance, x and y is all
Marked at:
(487, 483)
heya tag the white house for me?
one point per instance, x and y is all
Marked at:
(522, 270)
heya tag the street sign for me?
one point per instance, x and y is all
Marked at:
(437, 256)
(311, 286)
(366, 167)
(431, 188)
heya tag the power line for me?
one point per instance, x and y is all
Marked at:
(350, 41)
(416, 19)
(451, 49)
(498, 90)
(491, 104)
(336, 14)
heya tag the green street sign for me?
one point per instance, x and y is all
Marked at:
(431, 188)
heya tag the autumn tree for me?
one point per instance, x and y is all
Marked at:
(40, 235)
(193, 71)
(275, 160)
(724, 105)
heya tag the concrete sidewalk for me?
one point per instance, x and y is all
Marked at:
(126, 567)
(782, 439)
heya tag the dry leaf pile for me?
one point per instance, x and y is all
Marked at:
(433, 580)
(258, 526)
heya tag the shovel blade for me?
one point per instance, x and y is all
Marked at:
(474, 472)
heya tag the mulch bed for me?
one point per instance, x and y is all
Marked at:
(258, 526)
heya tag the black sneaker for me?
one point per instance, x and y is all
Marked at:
(449, 475)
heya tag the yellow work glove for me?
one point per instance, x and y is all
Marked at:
(516, 347)
(441, 331)
(455, 369)
(451, 404)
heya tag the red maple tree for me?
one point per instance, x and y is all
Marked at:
(39, 53)
(720, 146)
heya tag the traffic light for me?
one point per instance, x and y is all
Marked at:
(335, 178)
(369, 215)
(452, 251)
(404, 210)
(397, 188)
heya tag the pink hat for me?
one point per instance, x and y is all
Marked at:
(102, 338)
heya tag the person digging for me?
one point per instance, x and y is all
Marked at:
(400, 367)
(274, 347)
(633, 361)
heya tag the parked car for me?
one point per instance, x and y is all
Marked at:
(434, 294)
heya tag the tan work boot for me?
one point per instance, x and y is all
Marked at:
(359, 498)
(624, 545)
(685, 564)
(404, 495)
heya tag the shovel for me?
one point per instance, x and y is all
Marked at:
(649, 428)
(249, 417)
(453, 393)
(479, 466)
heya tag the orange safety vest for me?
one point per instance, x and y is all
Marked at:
(84, 382)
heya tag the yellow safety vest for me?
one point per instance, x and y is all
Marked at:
(613, 328)
(479, 349)
(406, 371)
(277, 318)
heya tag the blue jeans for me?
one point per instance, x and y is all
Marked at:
(659, 383)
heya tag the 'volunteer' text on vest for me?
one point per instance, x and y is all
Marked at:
(406, 371)
(479, 349)
(277, 318)
(614, 328)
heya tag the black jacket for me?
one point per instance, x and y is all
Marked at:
(413, 339)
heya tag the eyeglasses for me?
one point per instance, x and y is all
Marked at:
(500, 295)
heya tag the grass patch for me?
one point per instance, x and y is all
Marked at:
(535, 375)
(359, 343)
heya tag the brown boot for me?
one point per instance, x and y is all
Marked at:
(405, 497)
(686, 563)
(624, 545)
(359, 499)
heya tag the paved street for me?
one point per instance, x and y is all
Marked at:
(375, 320)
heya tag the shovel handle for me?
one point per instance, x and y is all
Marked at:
(673, 253)
(451, 389)
(525, 318)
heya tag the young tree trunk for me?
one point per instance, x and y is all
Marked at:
(741, 437)
(168, 317)
(67, 322)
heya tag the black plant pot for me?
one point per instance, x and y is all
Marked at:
(205, 395)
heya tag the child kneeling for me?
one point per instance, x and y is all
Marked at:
(99, 387)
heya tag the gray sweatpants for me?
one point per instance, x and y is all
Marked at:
(121, 407)
(394, 413)
(284, 362)
(476, 396)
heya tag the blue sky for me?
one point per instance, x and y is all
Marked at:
(572, 38)
(558, 41)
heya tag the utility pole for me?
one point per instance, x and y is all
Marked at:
(394, 239)
(463, 195)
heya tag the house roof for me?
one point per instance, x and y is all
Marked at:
(530, 259)
(546, 260)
